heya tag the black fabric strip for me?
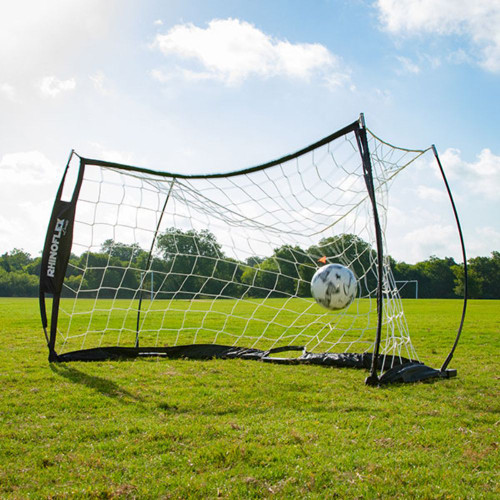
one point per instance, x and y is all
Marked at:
(217, 351)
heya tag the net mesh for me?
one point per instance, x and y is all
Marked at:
(163, 260)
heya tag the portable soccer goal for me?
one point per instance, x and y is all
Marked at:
(142, 263)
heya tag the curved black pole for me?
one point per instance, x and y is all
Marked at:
(450, 355)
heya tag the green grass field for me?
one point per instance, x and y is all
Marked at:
(242, 429)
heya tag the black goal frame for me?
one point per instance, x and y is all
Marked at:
(57, 251)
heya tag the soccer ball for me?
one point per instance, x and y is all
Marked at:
(334, 286)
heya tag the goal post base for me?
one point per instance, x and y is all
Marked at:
(372, 380)
(219, 351)
(402, 370)
(413, 372)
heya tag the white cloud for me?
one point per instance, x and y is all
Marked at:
(421, 221)
(230, 51)
(335, 80)
(383, 95)
(432, 239)
(478, 20)
(484, 241)
(28, 183)
(101, 83)
(50, 86)
(434, 61)
(481, 177)
(460, 57)
(161, 76)
(39, 38)
(8, 91)
(27, 168)
(185, 74)
(113, 155)
(432, 194)
(416, 232)
(408, 66)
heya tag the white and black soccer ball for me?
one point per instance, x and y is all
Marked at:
(334, 286)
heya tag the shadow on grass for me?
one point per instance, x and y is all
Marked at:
(106, 387)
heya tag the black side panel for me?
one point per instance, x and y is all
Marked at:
(56, 254)
(57, 247)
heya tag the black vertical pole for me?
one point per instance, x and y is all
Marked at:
(148, 262)
(362, 140)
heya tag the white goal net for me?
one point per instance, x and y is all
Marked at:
(159, 260)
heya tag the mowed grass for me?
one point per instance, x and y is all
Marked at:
(259, 323)
(242, 429)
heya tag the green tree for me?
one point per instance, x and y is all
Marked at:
(16, 260)
(407, 272)
(254, 260)
(122, 251)
(17, 284)
(34, 266)
(437, 278)
(16, 280)
(287, 272)
(195, 263)
(474, 282)
(483, 277)
(105, 276)
(262, 278)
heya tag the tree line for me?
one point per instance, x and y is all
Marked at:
(192, 264)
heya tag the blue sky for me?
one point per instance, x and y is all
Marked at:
(197, 86)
